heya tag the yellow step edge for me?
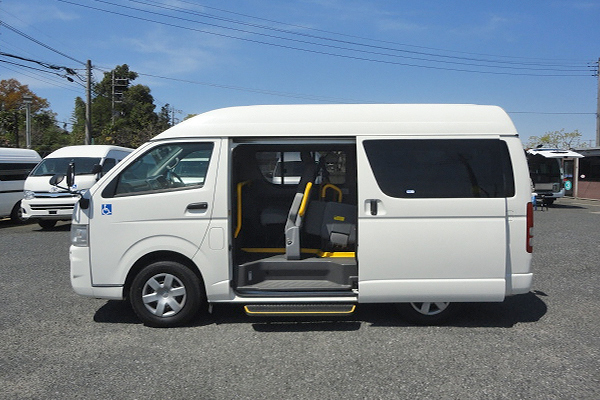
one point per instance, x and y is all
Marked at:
(319, 253)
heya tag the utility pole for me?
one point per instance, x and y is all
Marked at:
(173, 111)
(598, 107)
(88, 104)
(27, 100)
(119, 85)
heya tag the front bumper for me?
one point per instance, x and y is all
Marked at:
(51, 208)
(81, 277)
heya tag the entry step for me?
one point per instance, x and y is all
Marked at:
(299, 309)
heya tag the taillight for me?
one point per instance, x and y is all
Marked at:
(529, 244)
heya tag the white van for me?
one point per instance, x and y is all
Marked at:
(546, 170)
(49, 204)
(425, 205)
(15, 165)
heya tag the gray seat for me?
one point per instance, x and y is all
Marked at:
(294, 219)
(333, 222)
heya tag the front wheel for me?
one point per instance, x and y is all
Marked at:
(428, 313)
(47, 223)
(166, 293)
(16, 215)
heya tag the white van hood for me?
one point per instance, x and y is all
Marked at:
(41, 184)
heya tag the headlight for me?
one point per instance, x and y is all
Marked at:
(28, 195)
(79, 235)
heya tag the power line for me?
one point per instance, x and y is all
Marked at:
(304, 27)
(346, 56)
(15, 30)
(346, 42)
(260, 91)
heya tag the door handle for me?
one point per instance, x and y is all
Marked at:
(373, 203)
(198, 206)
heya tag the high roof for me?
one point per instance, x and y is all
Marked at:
(344, 120)
(97, 150)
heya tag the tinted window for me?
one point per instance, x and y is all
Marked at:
(589, 169)
(458, 168)
(167, 167)
(15, 171)
(543, 170)
(108, 164)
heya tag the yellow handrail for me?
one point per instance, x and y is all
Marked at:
(335, 188)
(302, 209)
(238, 228)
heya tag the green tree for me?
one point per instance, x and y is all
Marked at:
(122, 114)
(45, 133)
(557, 139)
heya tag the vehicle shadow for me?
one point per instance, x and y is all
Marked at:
(524, 308)
(8, 223)
(567, 206)
(60, 227)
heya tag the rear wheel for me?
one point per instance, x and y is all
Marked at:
(166, 293)
(427, 313)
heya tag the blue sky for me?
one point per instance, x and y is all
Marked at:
(536, 59)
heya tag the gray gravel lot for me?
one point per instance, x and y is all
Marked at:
(542, 345)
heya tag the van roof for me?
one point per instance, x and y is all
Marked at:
(344, 120)
(19, 155)
(97, 150)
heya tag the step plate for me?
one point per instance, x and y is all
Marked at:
(299, 309)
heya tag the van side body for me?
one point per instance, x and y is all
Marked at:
(45, 202)
(15, 165)
(420, 204)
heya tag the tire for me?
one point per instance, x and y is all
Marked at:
(166, 294)
(47, 223)
(16, 215)
(433, 313)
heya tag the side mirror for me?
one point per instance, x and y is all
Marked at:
(56, 179)
(71, 175)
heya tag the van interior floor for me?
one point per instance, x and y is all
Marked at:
(276, 274)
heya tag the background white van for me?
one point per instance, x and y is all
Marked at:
(15, 165)
(546, 170)
(49, 204)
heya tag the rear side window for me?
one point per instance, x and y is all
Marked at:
(15, 171)
(444, 168)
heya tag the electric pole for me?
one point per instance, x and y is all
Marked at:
(119, 85)
(598, 107)
(27, 100)
(88, 104)
(173, 111)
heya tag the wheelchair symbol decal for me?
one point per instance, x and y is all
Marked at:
(106, 209)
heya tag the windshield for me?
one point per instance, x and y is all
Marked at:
(53, 166)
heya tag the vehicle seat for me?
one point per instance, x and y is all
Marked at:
(333, 222)
(294, 219)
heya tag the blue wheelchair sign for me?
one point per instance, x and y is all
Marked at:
(106, 209)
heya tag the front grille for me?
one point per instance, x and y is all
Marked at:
(41, 207)
(48, 195)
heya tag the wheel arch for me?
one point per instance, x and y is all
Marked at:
(161, 255)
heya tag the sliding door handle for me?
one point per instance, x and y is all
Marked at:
(373, 203)
(197, 206)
